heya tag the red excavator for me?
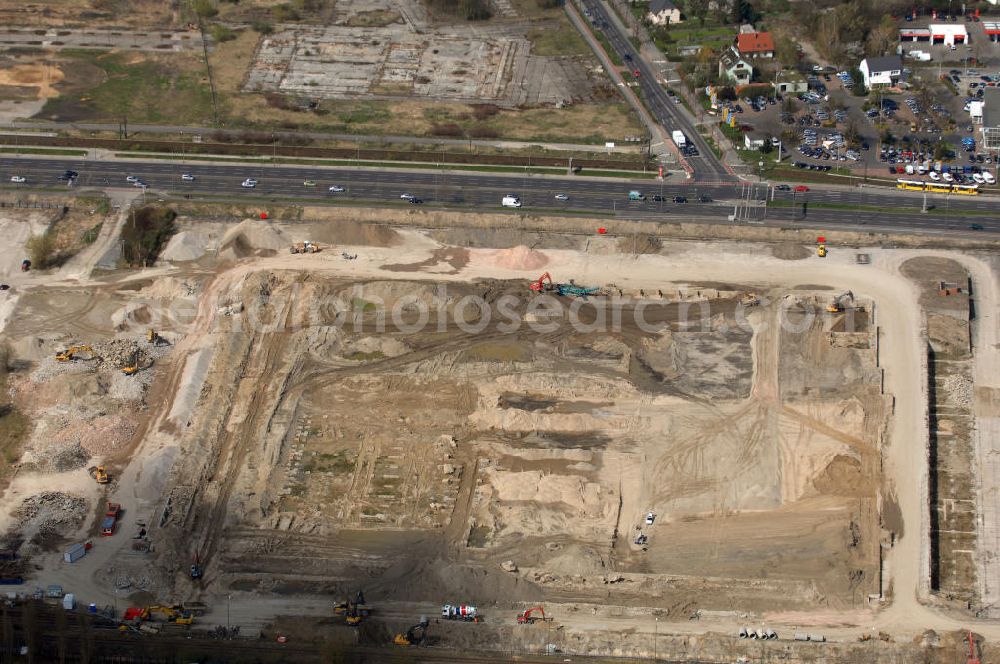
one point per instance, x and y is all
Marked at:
(972, 659)
(528, 616)
(539, 285)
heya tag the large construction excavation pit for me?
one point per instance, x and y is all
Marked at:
(694, 439)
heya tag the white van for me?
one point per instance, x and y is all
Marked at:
(511, 201)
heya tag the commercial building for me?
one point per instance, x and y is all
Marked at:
(991, 121)
(947, 34)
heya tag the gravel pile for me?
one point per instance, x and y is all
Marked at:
(959, 389)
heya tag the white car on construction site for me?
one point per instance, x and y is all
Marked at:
(650, 518)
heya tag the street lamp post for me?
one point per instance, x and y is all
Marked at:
(229, 604)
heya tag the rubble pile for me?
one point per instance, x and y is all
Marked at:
(99, 435)
(121, 352)
(50, 511)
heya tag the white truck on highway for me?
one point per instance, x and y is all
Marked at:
(510, 200)
(679, 138)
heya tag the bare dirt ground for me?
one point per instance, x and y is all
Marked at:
(415, 423)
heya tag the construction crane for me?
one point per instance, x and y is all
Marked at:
(415, 635)
(528, 617)
(837, 304)
(539, 286)
(71, 352)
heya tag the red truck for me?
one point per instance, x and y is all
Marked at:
(110, 519)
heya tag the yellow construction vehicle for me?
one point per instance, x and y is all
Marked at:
(71, 353)
(131, 368)
(356, 611)
(414, 636)
(100, 474)
(172, 615)
(837, 304)
(821, 251)
(152, 337)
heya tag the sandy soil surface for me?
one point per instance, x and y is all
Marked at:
(292, 440)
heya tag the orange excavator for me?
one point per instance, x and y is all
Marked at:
(539, 286)
(528, 617)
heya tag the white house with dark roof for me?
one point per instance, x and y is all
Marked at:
(881, 72)
(663, 12)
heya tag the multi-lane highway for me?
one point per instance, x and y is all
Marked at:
(670, 115)
(871, 209)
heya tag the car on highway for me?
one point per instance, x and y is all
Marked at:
(975, 227)
(308, 183)
(187, 177)
(249, 183)
(783, 187)
(140, 184)
(801, 188)
(656, 198)
(704, 199)
(131, 178)
(406, 196)
(337, 189)
(19, 179)
(415, 201)
(562, 197)
(679, 199)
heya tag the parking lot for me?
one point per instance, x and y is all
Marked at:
(829, 127)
